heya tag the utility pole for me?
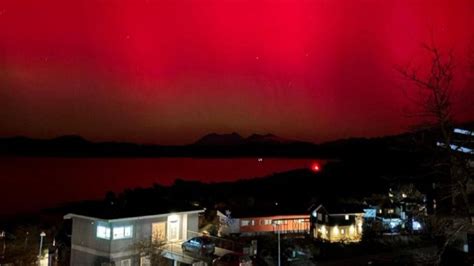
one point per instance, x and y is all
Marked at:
(276, 225)
(42, 235)
(279, 257)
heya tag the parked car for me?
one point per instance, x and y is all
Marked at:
(233, 259)
(199, 245)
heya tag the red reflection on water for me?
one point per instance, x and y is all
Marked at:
(34, 183)
(315, 167)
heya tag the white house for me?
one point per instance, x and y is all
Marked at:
(112, 240)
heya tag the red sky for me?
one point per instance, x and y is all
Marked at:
(171, 71)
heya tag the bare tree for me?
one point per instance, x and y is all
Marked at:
(152, 250)
(434, 104)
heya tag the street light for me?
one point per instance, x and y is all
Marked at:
(42, 235)
(275, 224)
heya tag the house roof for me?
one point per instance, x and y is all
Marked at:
(462, 140)
(106, 211)
(340, 208)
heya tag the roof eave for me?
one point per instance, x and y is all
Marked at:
(73, 215)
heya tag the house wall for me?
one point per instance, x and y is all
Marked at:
(336, 228)
(84, 234)
(288, 224)
(86, 258)
(338, 233)
(228, 226)
(141, 231)
(192, 223)
(87, 249)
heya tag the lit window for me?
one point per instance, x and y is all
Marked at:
(346, 217)
(103, 232)
(122, 232)
(127, 262)
(342, 231)
(145, 261)
(351, 229)
(268, 222)
(245, 222)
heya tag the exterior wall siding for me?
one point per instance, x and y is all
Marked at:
(335, 229)
(84, 234)
(88, 249)
(288, 224)
(192, 224)
(141, 231)
(85, 258)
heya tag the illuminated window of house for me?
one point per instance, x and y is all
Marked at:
(122, 232)
(267, 222)
(145, 261)
(103, 231)
(346, 217)
(343, 231)
(390, 210)
(245, 222)
(127, 262)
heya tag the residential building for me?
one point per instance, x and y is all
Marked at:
(111, 237)
(337, 223)
(263, 220)
(462, 142)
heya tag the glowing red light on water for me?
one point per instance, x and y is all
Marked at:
(315, 167)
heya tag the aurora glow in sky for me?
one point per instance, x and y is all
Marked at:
(171, 71)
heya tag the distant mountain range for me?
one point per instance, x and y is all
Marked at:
(220, 145)
(211, 145)
(236, 139)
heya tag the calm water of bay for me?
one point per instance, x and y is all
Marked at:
(29, 184)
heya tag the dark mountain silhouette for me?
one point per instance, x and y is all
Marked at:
(221, 139)
(210, 146)
(236, 139)
(228, 145)
(268, 138)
